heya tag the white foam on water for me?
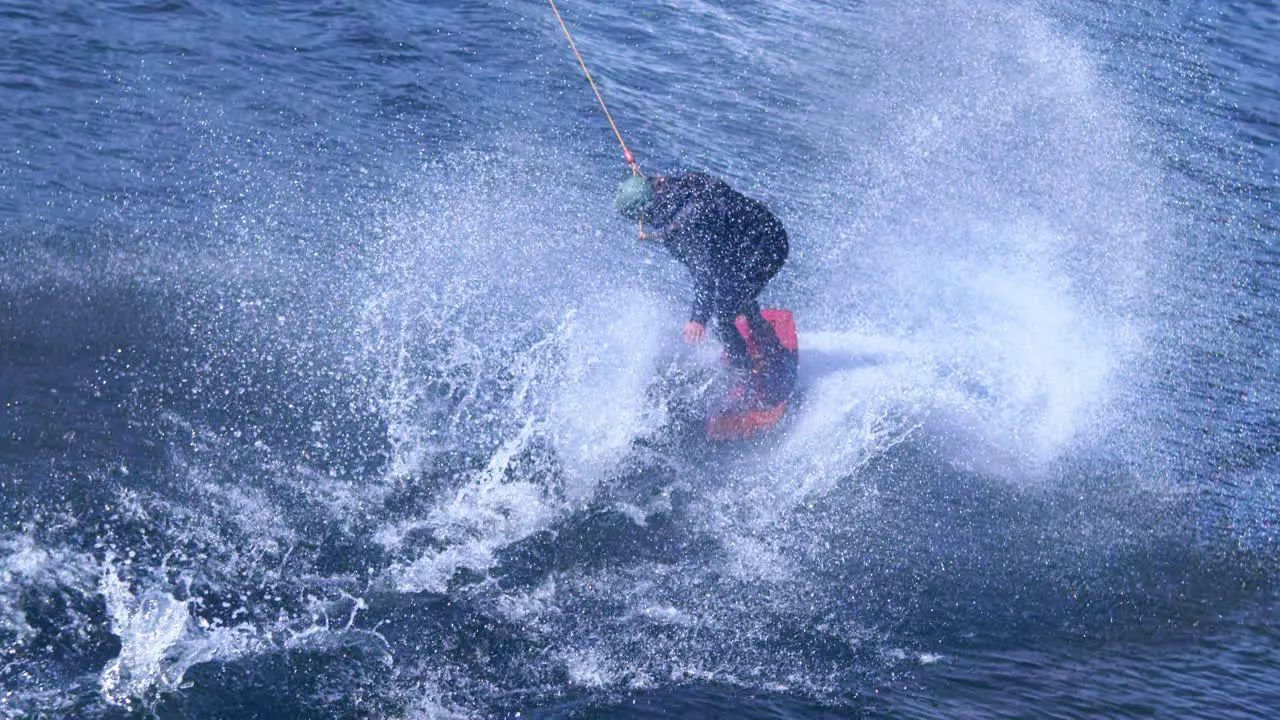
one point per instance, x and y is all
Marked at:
(149, 628)
(588, 669)
(581, 389)
(529, 608)
(598, 405)
(159, 641)
(999, 227)
(663, 614)
(491, 507)
(429, 704)
(526, 355)
(26, 566)
(1030, 380)
(472, 524)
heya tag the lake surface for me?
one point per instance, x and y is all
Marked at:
(331, 385)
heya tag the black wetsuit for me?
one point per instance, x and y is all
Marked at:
(732, 246)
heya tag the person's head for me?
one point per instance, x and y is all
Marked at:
(634, 195)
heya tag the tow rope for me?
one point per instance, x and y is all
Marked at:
(626, 152)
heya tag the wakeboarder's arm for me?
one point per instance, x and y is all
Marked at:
(703, 294)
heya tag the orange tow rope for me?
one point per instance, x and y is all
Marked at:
(626, 152)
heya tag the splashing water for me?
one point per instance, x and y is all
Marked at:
(159, 642)
(428, 456)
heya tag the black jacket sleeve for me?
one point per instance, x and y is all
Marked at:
(690, 240)
(704, 298)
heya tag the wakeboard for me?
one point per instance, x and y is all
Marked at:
(756, 402)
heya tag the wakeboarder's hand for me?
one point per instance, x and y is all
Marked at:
(694, 332)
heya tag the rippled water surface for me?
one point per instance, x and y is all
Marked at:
(333, 387)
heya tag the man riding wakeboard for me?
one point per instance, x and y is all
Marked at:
(731, 244)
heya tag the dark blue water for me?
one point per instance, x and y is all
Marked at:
(332, 386)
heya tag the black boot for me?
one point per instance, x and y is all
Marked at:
(775, 371)
(768, 346)
(735, 347)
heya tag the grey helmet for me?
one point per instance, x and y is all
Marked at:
(634, 195)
